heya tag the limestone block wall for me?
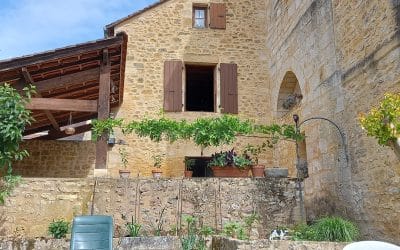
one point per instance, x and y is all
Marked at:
(57, 159)
(345, 56)
(165, 33)
(36, 202)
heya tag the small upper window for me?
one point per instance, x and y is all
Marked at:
(199, 17)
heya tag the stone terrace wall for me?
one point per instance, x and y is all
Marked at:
(57, 159)
(36, 202)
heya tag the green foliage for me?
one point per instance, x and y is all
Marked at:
(189, 163)
(253, 151)
(59, 228)
(239, 230)
(335, 229)
(241, 162)
(13, 119)
(133, 228)
(383, 122)
(229, 158)
(218, 160)
(327, 229)
(195, 237)
(9, 183)
(304, 232)
(107, 126)
(124, 156)
(157, 160)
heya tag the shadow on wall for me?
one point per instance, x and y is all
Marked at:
(57, 159)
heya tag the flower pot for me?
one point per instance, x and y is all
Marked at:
(156, 173)
(229, 171)
(188, 173)
(124, 174)
(257, 171)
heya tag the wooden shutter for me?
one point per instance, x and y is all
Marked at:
(173, 86)
(229, 88)
(217, 15)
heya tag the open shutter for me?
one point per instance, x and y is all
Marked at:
(173, 86)
(217, 16)
(229, 88)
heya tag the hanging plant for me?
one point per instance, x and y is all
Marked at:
(383, 122)
(13, 119)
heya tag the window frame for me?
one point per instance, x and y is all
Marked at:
(200, 7)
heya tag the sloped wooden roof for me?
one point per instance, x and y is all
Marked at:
(109, 29)
(68, 73)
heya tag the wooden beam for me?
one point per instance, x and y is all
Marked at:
(62, 104)
(29, 80)
(55, 134)
(60, 53)
(71, 79)
(103, 109)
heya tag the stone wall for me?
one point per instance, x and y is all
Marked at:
(57, 159)
(36, 202)
(164, 33)
(220, 243)
(345, 56)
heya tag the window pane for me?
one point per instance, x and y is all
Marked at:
(199, 13)
(199, 23)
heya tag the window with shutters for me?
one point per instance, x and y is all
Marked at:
(200, 17)
(199, 89)
(212, 16)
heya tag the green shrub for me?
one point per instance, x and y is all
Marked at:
(304, 232)
(59, 228)
(335, 229)
(327, 229)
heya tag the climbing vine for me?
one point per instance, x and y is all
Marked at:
(13, 119)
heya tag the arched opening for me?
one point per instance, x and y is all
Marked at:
(289, 94)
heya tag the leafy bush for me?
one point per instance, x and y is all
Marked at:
(13, 119)
(59, 228)
(327, 229)
(229, 158)
(383, 122)
(239, 230)
(133, 228)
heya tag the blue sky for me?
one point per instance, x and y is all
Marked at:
(31, 26)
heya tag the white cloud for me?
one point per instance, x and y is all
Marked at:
(30, 26)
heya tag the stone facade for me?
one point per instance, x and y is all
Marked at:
(36, 202)
(344, 55)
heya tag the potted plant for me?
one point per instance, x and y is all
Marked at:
(124, 173)
(157, 172)
(253, 152)
(229, 164)
(189, 164)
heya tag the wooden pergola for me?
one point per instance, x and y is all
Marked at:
(83, 81)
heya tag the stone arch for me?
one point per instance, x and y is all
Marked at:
(289, 95)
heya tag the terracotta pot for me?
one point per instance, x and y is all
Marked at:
(188, 173)
(124, 174)
(156, 173)
(229, 171)
(257, 171)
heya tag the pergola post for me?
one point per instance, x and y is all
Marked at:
(103, 109)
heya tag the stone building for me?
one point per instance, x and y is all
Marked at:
(267, 60)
